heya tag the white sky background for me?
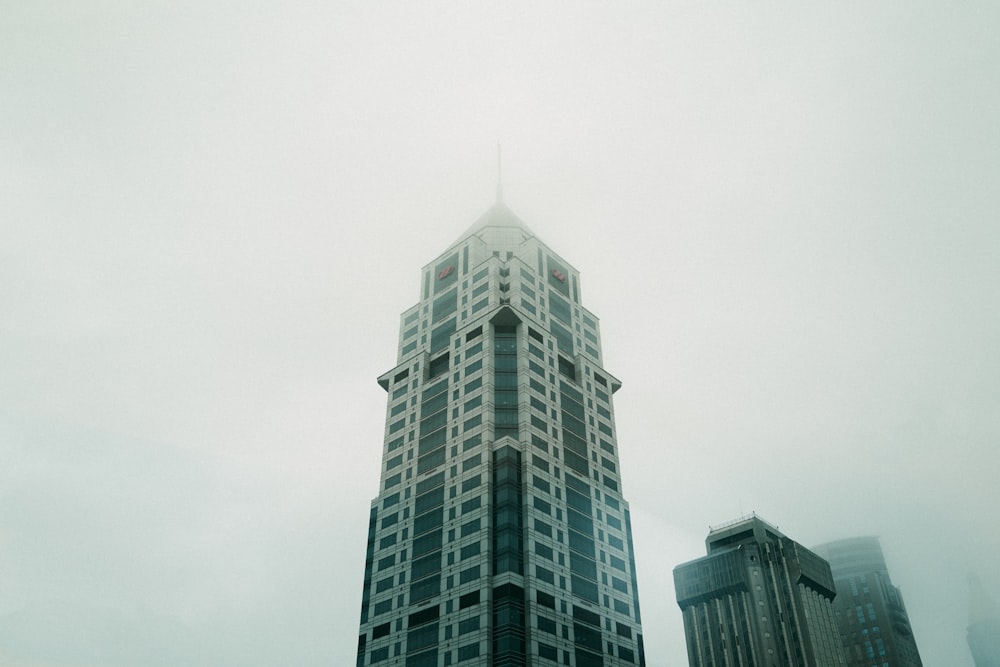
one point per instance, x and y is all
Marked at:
(211, 215)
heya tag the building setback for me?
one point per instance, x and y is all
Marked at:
(871, 617)
(757, 599)
(500, 535)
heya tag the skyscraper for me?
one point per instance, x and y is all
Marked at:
(984, 626)
(758, 598)
(871, 617)
(500, 535)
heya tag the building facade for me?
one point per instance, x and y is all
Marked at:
(500, 535)
(872, 620)
(758, 599)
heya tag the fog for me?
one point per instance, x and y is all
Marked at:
(212, 214)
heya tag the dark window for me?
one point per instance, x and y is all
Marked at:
(505, 381)
(560, 309)
(422, 567)
(567, 368)
(564, 339)
(470, 527)
(585, 658)
(622, 607)
(468, 625)
(547, 652)
(473, 504)
(543, 550)
(430, 461)
(427, 543)
(468, 652)
(580, 564)
(471, 462)
(426, 501)
(441, 335)
(586, 616)
(438, 366)
(587, 636)
(426, 659)
(383, 585)
(581, 543)
(430, 483)
(427, 521)
(444, 305)
(423, 616)
(425, 588)
(584, 588)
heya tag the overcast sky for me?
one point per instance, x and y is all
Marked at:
(212, 214)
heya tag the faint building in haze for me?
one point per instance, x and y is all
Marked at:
(757, 599)
(984, 626)
(874, 626)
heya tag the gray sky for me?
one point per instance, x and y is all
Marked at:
(212, 213)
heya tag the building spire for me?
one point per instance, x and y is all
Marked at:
(499, 173)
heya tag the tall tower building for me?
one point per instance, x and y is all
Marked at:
(757, 599)
(871, 617)
(984, 626)
(500, 535)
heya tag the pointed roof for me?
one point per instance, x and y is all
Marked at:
(498, 216)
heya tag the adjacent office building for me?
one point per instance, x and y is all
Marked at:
(500, 535)
(872, 620)
(757, 599)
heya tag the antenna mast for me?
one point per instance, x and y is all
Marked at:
(499, 173)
